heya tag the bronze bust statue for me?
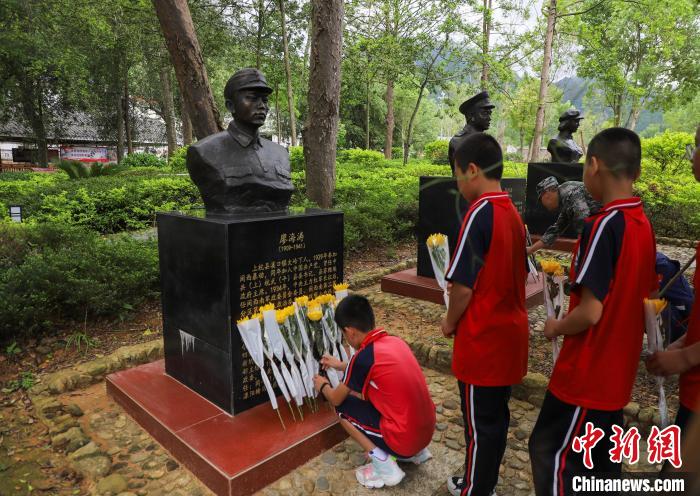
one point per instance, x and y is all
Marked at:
(477, 111)
(236, 170)
(563, 148)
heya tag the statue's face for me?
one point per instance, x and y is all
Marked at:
(572, 125)
(481, 118)
(249, 107)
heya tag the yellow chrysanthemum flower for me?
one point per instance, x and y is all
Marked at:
(242, 319)
(435, 240)
(340, 287)
(281, 316)
(256, 316)
(315, 315)
(552, 267)
(659, 304)
(302, 301)
(325, 299)
(265, 308)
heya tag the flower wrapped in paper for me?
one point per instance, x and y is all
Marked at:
(554, 279)
(654, 324)
(320, 341)
(286, 321)
(283, 354)
(300, 314)
(341, 291)
(439, 252)
(251, 334)
(335, 337)
(281, 380)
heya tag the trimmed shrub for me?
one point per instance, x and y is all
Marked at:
(178, 160)
(358, 156)
(52, 273)
(668, 150)
(437, 151)
(135, 160)
(296, 158)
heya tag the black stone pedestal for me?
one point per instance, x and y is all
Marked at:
(537, 218)
(441, 209)
(214, 270)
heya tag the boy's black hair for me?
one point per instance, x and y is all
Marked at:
(482, 150)
(619, 149)
(355, 311)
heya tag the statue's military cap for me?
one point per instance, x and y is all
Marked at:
(247, 79)
(480, 100)
(546, 184)
(571, 114)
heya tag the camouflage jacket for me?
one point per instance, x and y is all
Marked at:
(575, 205)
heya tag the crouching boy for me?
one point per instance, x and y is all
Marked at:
(383, 403)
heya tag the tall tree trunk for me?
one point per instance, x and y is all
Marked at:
(544, 80)
(186, 124)
(32, 107)
(522, 144)
(486, 34)
(181, 39)
(277, 112)
(127, 115)
(259, 37)
(389, 98)
(168, 109)
(288, 71)
(367, 107)
(409, 134)
(321, 129)
(634, 117)
(120, 126)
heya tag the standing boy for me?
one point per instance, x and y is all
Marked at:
(384, 403)
(486, 314)
(612, 272)
(683, 356)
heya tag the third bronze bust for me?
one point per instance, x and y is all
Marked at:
(563, 148)
(477, 111)
(236, 170)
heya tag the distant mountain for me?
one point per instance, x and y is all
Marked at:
(575, 88)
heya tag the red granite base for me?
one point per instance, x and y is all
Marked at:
(408, 283)
(232, 455)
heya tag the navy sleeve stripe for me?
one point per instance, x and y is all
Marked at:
(463, 239)
(590, 252)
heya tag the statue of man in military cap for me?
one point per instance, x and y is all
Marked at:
(563, 148)
(237, 170)
(477, 112)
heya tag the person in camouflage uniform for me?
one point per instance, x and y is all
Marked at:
(576, 204)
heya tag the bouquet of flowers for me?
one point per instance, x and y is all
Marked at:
(286, 319)
(439, 252)
(654, 324)
(320, 343)
(299, 388)
(300, 312)
(554, 279)
(251, 334)
(283, 378)
(531, 261)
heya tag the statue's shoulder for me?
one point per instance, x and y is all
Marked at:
(211, 147)
(274, 149)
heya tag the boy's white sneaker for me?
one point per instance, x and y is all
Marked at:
(421, 457)
(380, 473)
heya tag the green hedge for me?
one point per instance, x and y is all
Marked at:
(135, 160)
(437, 151)
(110, 204)
(52, 273)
